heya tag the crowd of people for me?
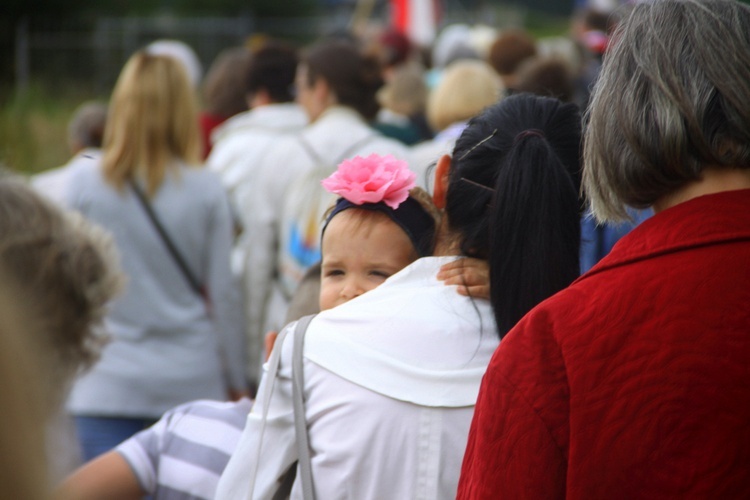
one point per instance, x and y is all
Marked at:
(495, 267)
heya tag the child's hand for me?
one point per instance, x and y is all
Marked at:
(471, 275)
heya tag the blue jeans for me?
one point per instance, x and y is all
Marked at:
(98, 435)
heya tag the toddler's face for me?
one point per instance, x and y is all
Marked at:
(359, 253)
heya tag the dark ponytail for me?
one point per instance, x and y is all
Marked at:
(535, 230)
(513, 196)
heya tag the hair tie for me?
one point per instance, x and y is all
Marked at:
(532, 132)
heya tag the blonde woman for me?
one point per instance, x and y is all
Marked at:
(170, 343)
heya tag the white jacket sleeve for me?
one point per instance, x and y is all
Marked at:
(267, 448)
(224, 293)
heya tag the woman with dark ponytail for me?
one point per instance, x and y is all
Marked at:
(391, 377)
(531, 235)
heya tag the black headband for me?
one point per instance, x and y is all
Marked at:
(410, 215)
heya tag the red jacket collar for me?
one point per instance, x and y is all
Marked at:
(707, 220)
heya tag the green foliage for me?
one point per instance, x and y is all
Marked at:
(33, 128)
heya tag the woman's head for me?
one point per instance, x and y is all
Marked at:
(381, 224)
(337, 72)
(465, 89)
(671, 101)
(510, 194)
(152, 121)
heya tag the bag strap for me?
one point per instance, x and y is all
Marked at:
(176, 256)
(300, 426)
(270, 379)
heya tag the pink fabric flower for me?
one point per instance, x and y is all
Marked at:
(371, 180)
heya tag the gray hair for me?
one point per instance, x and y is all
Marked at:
(671, 101)
(86, 127)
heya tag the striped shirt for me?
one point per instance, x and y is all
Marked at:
(182, 456)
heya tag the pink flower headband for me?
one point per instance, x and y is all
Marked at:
(373, 179)
(382, 183)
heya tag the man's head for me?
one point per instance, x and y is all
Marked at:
(271, 72)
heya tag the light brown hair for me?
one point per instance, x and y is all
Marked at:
(465, 89)
(65, 269)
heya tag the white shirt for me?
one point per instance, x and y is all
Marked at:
(54, 184)
(240, 148)
(391, 378)
(331, 135)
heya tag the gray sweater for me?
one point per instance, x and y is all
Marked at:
(166, 348)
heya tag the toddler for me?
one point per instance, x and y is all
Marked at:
(380, 224)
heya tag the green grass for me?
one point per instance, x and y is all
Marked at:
(33, 127)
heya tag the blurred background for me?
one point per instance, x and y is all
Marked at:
(55, 54)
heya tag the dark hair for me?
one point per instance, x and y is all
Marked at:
(352, 76)
(272, 68)
(547, 76)
(510, 49)
(513, 197)
(222, 89)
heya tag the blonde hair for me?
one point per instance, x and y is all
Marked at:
(152, 122)
(466, 88)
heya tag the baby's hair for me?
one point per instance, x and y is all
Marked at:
(367, 217)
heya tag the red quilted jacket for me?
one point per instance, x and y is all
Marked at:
(634, 382)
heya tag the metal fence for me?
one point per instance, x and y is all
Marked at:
(91, 57)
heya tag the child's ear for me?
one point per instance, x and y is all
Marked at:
(442, 169)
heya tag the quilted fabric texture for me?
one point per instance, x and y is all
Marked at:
(635, 381)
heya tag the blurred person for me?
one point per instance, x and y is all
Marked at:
(85, 135)
(467, 87)
(632, 382)
(510, 49)
(241, 145)
(23, 472)
(452, 44)
(177, 328)
(336, 85)
(391, 376)
(181, 52)
(591, 28)
(64, 270)
(182, 456)
(403, 100)
(546, 76)
(224, 92)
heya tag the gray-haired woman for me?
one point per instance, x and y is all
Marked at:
(633, 382)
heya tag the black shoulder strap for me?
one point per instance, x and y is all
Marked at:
(176, 256)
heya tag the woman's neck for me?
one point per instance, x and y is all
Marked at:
(713, 180)
(447, 243)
